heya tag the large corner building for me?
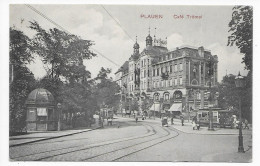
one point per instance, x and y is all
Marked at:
(163, 81)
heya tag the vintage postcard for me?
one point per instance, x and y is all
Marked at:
(130, 83)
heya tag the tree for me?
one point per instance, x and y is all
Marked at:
(229, 96)
(22, 81)
(107, 91)
(63, 52)
(241, 28)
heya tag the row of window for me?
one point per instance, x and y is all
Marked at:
(167, 57)
(170, 69)
(143, 63)
(167, 83)
(160, 84)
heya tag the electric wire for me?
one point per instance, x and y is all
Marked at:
(59, 26)
(117, 22)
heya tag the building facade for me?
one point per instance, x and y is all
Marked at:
(167, 81)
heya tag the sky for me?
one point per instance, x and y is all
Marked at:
(115, 36)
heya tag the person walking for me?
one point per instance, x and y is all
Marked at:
(136, 119)
(246, 124)
(172, 120)
(182, 120)
(198, 125)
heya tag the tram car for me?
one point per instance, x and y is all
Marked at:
(221, 118)
(107, 113)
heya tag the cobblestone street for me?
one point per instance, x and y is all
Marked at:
(130, 141)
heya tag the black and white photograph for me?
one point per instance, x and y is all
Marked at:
(130, 83)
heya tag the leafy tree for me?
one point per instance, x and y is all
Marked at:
(241, 28)
(106, 89)
(134, 105)
(229, 96)
(22, 81)
(63, 52)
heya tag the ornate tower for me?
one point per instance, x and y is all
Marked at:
(136, 47)
(149, 39)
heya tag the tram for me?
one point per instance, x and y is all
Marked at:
(221, 118)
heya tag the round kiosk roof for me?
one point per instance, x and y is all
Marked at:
(40, 97)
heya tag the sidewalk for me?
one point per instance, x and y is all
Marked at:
(37, 136)
(187, 128)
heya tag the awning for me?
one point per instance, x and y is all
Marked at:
(176, 107)
(155, 107)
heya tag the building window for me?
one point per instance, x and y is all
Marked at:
(166, 96)
(180, 80)
(144, 73)
(171, 69)
(158, 71)
(166, 83)
(161, 70)
(153, 72)
(148, 73)
(175, 68)
(171, 82)
(161, 83)
(181, 67)
(175, 82)
(156, 96)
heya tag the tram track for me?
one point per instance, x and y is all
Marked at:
(122, 151)
(101, 156)
(55, 151)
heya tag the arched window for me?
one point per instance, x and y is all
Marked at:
(166, 96)
(177, 95)
(194, 82)
(156, 96)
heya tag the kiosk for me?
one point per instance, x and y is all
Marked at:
(41, 115)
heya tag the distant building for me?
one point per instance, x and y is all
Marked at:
(171, 81)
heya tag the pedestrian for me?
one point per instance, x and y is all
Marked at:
(246, 124)
(193, 124)
(182, 121)
(198, 125)
(136, 119)
(172, 120)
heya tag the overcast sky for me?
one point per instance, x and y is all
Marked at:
(92, 22)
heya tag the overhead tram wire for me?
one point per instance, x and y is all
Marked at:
(117, 23)
(57, 25)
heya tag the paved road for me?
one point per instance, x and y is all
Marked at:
(142, 141)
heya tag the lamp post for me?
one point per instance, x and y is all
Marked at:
(60, 112)
(211, 127)
(210, 73)
(239, 81)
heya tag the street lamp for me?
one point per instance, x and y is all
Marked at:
(239, 81)
(210, 73)
(60, 112)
